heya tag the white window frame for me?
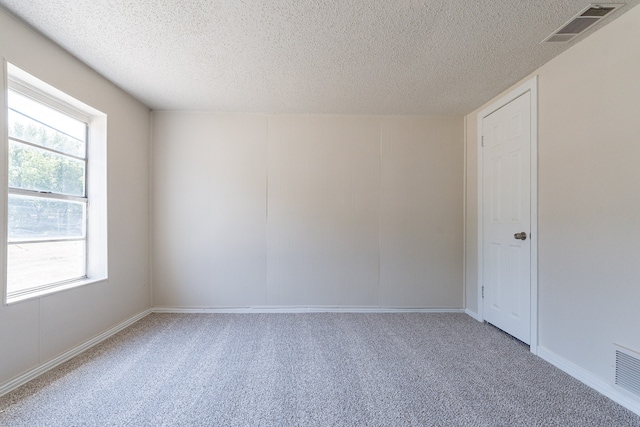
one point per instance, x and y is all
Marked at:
(95, 179)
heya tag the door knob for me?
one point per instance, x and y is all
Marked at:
(520, 236)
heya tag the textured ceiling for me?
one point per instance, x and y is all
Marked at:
(437, 57)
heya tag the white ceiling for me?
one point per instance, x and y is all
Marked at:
(436, 57)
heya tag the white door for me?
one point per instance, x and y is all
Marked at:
(506, 205)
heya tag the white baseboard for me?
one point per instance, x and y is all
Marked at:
(586, 377)
(473, 314)
(318, 309)
(70, 354)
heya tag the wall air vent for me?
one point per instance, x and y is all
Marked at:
(583, 20)
(627, 370)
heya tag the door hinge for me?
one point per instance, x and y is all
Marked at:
(483, 292)
(482, 143)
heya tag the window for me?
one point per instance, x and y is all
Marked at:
(56, 214)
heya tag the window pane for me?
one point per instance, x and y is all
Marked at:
(36, 123)
(40, 218)
(31, 168)
(36, 264)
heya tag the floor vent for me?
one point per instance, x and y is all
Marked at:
(581, 22)
(627, 375)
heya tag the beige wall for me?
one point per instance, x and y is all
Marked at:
(350, 211)
(35, 331)
(589, 198)
(421, 212)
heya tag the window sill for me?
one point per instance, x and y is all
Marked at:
(49, 291)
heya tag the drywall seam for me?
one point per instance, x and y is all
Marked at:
(380, 172)
(266, 213)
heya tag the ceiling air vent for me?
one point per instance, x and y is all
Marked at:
(583, 20)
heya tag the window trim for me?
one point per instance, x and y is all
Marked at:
(95, 197)
(15, 82)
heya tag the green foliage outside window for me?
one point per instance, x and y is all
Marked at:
(40, 170)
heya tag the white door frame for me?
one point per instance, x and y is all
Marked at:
(531, 86)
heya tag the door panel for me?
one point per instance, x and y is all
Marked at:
(506, 211)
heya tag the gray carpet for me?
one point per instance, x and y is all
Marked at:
(309, 370)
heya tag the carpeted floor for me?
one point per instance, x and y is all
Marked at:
(324, 369)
